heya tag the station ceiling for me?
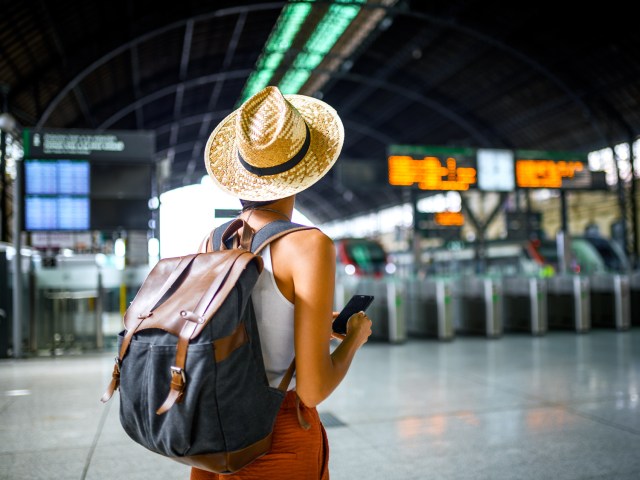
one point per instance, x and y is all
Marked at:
(530, 75)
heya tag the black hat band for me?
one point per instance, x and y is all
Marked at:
(283, 167)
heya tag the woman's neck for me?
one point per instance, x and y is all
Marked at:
(278, 210)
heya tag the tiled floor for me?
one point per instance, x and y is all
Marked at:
(561, 406)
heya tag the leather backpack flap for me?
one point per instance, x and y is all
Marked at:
(194, 295)
(148, 292)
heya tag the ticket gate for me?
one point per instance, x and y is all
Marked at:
(610, 301)
(428, 308)
(387, 310)
(478, 306)
(118, 288)
(568, 303)
(68, 306)
(634, 295)
(5, 306)
(525, 304)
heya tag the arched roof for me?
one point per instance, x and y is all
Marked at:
(531, 75)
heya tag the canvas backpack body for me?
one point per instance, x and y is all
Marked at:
(190, 370)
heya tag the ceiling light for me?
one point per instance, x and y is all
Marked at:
(321, 41)
(291, 19)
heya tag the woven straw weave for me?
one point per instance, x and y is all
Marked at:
(268, 130)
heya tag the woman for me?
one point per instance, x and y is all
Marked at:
(264, 153)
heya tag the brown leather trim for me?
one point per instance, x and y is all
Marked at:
(223, 347)
(228, 462)
(204, 245)
(131, 318)
(232, 228)
(209, 272)
(218, 299)
(247, 236)
(114, 384)
(178, 380)
(288, 375)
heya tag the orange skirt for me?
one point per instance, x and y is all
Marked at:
(296, 454)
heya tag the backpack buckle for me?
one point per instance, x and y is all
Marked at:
(178, 371)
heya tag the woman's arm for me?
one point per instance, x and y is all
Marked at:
(310, 263)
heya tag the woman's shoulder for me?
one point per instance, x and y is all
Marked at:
(312, 241)
(305, 254)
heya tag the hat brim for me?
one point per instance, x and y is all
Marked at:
(327, 137)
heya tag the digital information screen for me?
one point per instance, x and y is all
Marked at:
(432, 168)
(130, 146)
(56, 213)
(56, 177)
(440, 224)
(555, 170)
(56, 195)
(495, 170)
(77, 180)
(489, 169)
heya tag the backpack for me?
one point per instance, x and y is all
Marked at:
(192, 381)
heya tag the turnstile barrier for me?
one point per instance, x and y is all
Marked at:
(429, 308)
(387, 310)
(634, 295)
(610, 301)
(525, 304)
(69, 314)
(568, 303)
(478, 305)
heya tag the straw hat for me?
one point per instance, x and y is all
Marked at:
(274, 146)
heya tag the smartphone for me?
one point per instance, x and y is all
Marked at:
(357, 303)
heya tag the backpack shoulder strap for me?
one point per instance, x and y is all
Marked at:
(270, 232)
(274, 230)
(215, 238)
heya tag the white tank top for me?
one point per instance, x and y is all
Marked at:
(274, 314)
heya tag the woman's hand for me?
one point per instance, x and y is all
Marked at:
(335, 335)
(358, 326)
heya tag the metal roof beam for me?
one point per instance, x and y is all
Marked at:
(84, 106)
(135, 79)
(521, 56)
(473, 130)
(179, 88)
(217, 88)
(170, 90)
(223, 12)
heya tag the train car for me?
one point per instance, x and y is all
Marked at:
(505, 257)
(589, 254)
(362, 257)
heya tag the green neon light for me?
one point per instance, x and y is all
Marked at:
(322, 40)
(292, 17)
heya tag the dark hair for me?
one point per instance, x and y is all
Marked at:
(250, 204)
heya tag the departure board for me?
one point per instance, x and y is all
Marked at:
(80, 180)
(56, 177)
(446, 225)
(432, 168)
(56, 194)
(489, 169)
(555, 170)
(56, 213)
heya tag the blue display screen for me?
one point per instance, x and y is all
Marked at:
(56, 213)
(56, 177)
(57, 195)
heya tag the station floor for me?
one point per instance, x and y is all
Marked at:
(560, 406)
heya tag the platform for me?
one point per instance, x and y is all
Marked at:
(564, 406)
